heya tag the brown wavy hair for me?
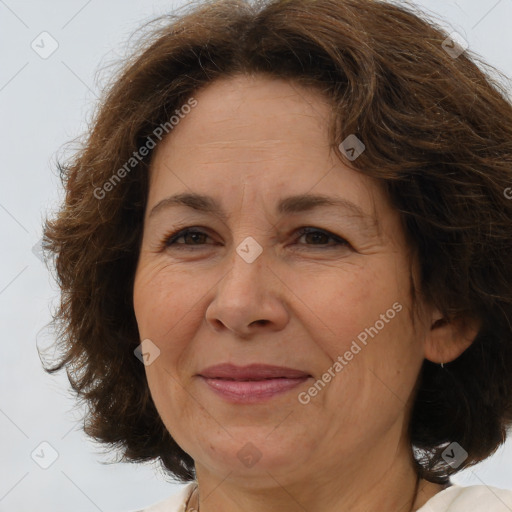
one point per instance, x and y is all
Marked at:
(438, 135)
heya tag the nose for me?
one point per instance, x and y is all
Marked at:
(250, 298)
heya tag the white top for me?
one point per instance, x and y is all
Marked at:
(475, 498)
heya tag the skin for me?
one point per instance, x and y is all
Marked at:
(249, 142)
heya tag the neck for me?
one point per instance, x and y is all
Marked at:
(358, 488)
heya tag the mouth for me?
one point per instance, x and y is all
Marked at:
(253, 383)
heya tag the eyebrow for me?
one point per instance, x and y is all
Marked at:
(288, 205)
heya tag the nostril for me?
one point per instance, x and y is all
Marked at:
(263, 322)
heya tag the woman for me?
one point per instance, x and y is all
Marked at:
(285, 261)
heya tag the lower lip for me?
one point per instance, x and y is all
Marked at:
(239, 391)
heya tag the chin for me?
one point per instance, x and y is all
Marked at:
(250, 455)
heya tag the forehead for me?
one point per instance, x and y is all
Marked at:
(258, 138)
(251, 113)
(248, 126)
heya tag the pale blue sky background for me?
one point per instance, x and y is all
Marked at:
(44, 103)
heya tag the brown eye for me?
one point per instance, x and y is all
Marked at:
(317, 236)
(190, 236)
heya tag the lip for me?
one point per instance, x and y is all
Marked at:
(253, 383)
(256, 371)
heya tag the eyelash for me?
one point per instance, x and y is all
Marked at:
(170, 239)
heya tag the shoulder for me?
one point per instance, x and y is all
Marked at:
(174, 503)
(477, 498)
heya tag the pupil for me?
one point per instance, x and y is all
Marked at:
(193, 235)
(316, 235)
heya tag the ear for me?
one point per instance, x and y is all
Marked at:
(448, 338)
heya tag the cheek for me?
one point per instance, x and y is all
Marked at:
(341, 304)
(166, 305)
(363, 316)
(379, 365)
(164, 301)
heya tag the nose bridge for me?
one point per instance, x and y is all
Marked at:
(252, 251)
(247, 275)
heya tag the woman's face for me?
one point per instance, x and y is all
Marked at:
(333, 303)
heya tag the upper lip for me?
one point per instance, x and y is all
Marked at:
(254, 371)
